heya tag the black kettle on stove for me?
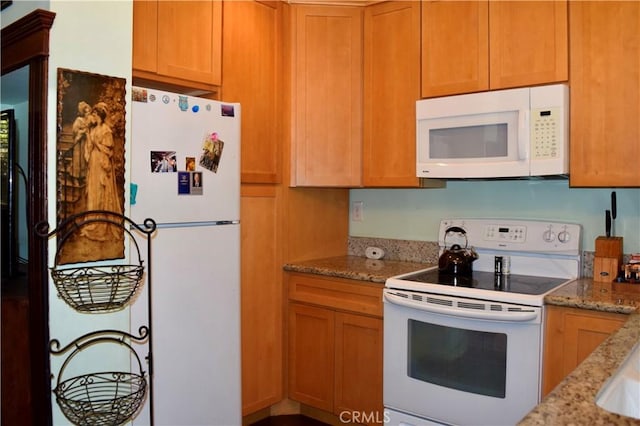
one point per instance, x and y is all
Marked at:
(457, 260)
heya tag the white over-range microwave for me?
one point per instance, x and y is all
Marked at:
(509, 133)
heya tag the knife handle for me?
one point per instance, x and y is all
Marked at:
(607, 222)
(614, 205)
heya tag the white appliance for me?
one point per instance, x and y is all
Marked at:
(195, 284)
(467, 350)
(504, 133)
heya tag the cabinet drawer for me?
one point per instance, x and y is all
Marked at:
(337, 293)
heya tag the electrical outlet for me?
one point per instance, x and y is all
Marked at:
(357, 211)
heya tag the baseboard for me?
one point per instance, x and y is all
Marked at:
(285, 407)
(320, 415)
(255, 417)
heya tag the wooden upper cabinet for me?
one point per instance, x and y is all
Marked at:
(326, 102)
(472, 46)
(251, 75)
(391, 89)
(455, 47)
(528, 43)
(605, 93)
(178, 42)
(145, 36)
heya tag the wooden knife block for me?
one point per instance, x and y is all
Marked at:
(608, 258)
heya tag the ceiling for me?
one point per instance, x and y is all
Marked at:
(14, 87)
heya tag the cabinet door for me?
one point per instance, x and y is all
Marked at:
(190, 40)
(327, 96)
(251, 74)
(455, 47)
(391, 89)
(358, 373)
(583, 333)
(261, 298)
(605, 93)
(311, 355)
(528, 42)
(570, 336)
(145, 35)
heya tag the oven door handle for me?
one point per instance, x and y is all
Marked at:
(515, 316)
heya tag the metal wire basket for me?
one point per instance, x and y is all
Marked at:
(97, 288)
(109, 398)
(101, 398)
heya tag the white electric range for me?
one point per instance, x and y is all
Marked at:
(467, 349)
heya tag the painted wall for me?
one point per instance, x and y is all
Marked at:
(91, 36)
(20, 8)
(95, 37)
(414, 214)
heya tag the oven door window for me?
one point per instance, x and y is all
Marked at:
(466, 360)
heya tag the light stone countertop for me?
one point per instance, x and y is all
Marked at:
(572, 402)
(356, 268)
(584, 293)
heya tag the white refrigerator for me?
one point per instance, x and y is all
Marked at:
(185, 175)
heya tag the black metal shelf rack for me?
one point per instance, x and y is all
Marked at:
(105, 397)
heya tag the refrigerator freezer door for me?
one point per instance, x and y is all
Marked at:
(195, 326)
(164, 122)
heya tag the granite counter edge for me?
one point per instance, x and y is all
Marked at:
(327, 272)
(573, 400)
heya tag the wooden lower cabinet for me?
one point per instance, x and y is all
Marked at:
(571, 334)
(311, 355)
(358, 364)
(261, 298)
(279, 224)
(335, 356)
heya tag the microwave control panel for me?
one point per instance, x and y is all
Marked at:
(546, 133)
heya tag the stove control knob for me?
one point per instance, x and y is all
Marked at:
(564, 237)
(549, 236)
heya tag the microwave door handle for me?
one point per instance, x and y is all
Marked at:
(457, 312)
(524, 130)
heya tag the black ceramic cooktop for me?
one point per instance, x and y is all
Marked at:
(522, 284)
